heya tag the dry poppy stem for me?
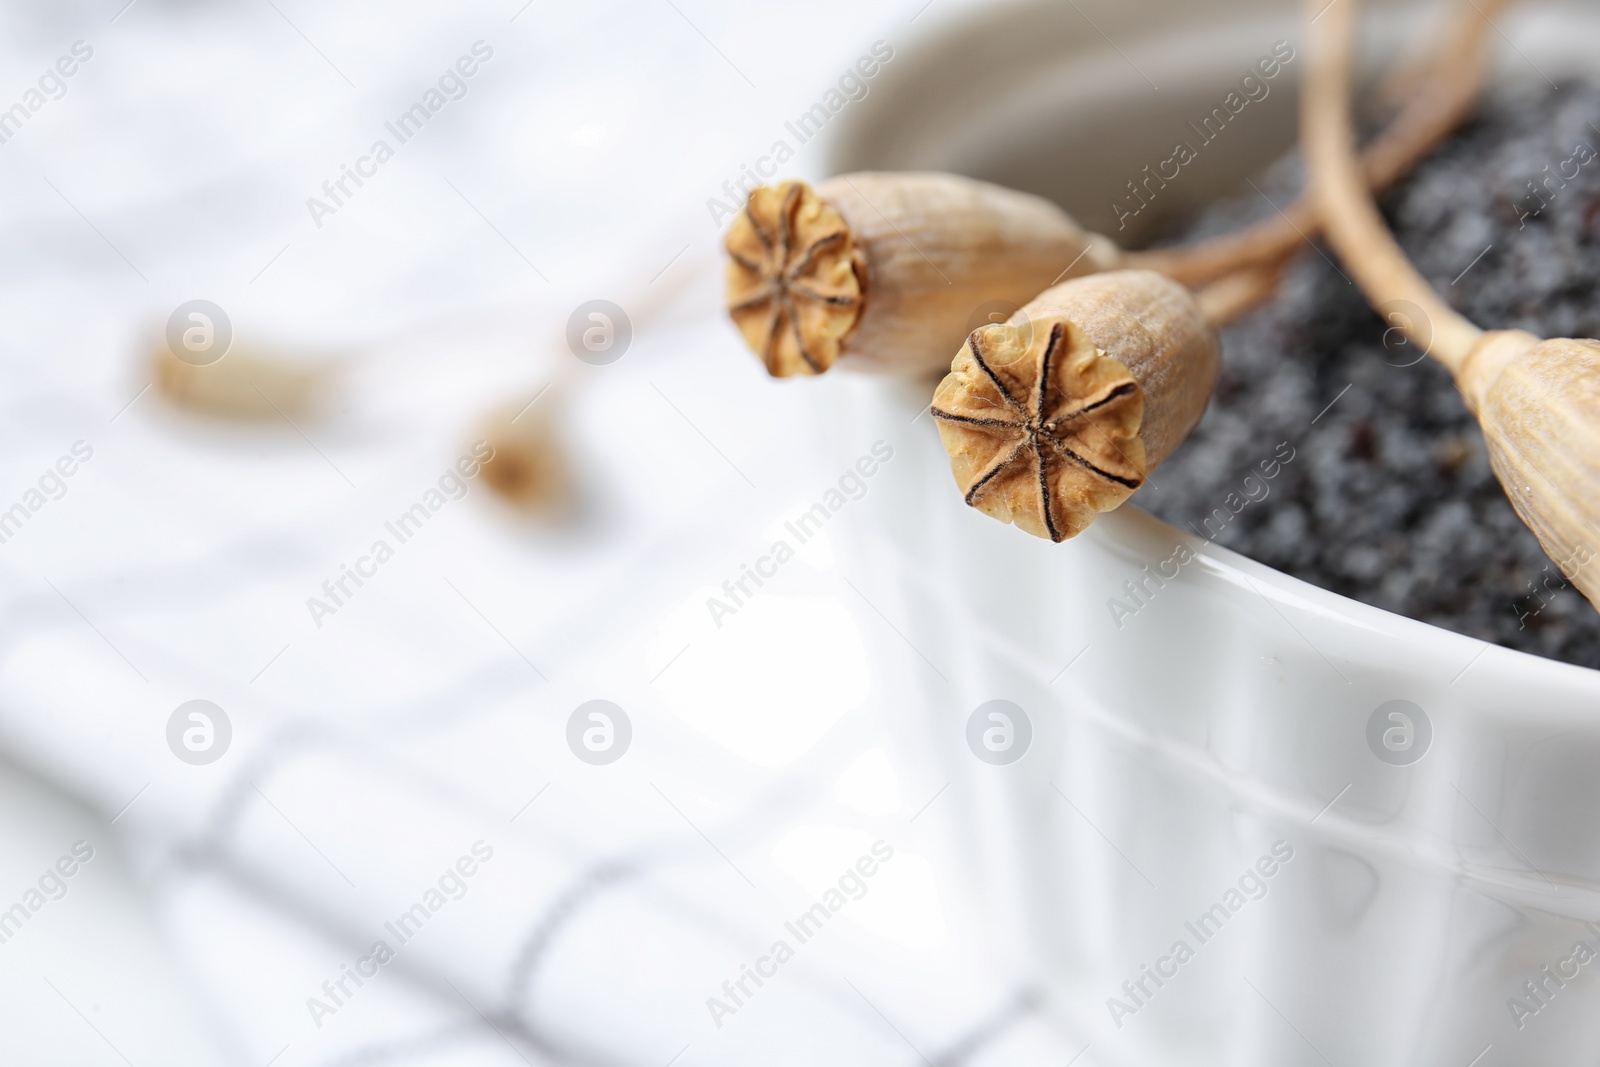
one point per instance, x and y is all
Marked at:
(1538, 402)
(1355, 227)
(534, 466)
(1441, 102)
(1239, 293)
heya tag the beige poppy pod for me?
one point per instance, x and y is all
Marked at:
(529, 467)
(1062, 412)
(244, 384)
(1538, 403)
(886, 271)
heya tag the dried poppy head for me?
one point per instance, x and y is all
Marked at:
(528, 467)
(884, 270)
(247, 384)
(792, 284)
(1538, 403)
(1061, 413)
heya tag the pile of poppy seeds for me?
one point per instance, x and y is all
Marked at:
(1388, 497)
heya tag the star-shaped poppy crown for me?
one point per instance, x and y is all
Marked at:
(793, 285)
(1042, 427)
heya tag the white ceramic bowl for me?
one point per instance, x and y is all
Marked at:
(1230, 715)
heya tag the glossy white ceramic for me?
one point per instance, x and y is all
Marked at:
(1204, 769)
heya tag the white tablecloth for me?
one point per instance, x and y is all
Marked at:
(425, 720)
